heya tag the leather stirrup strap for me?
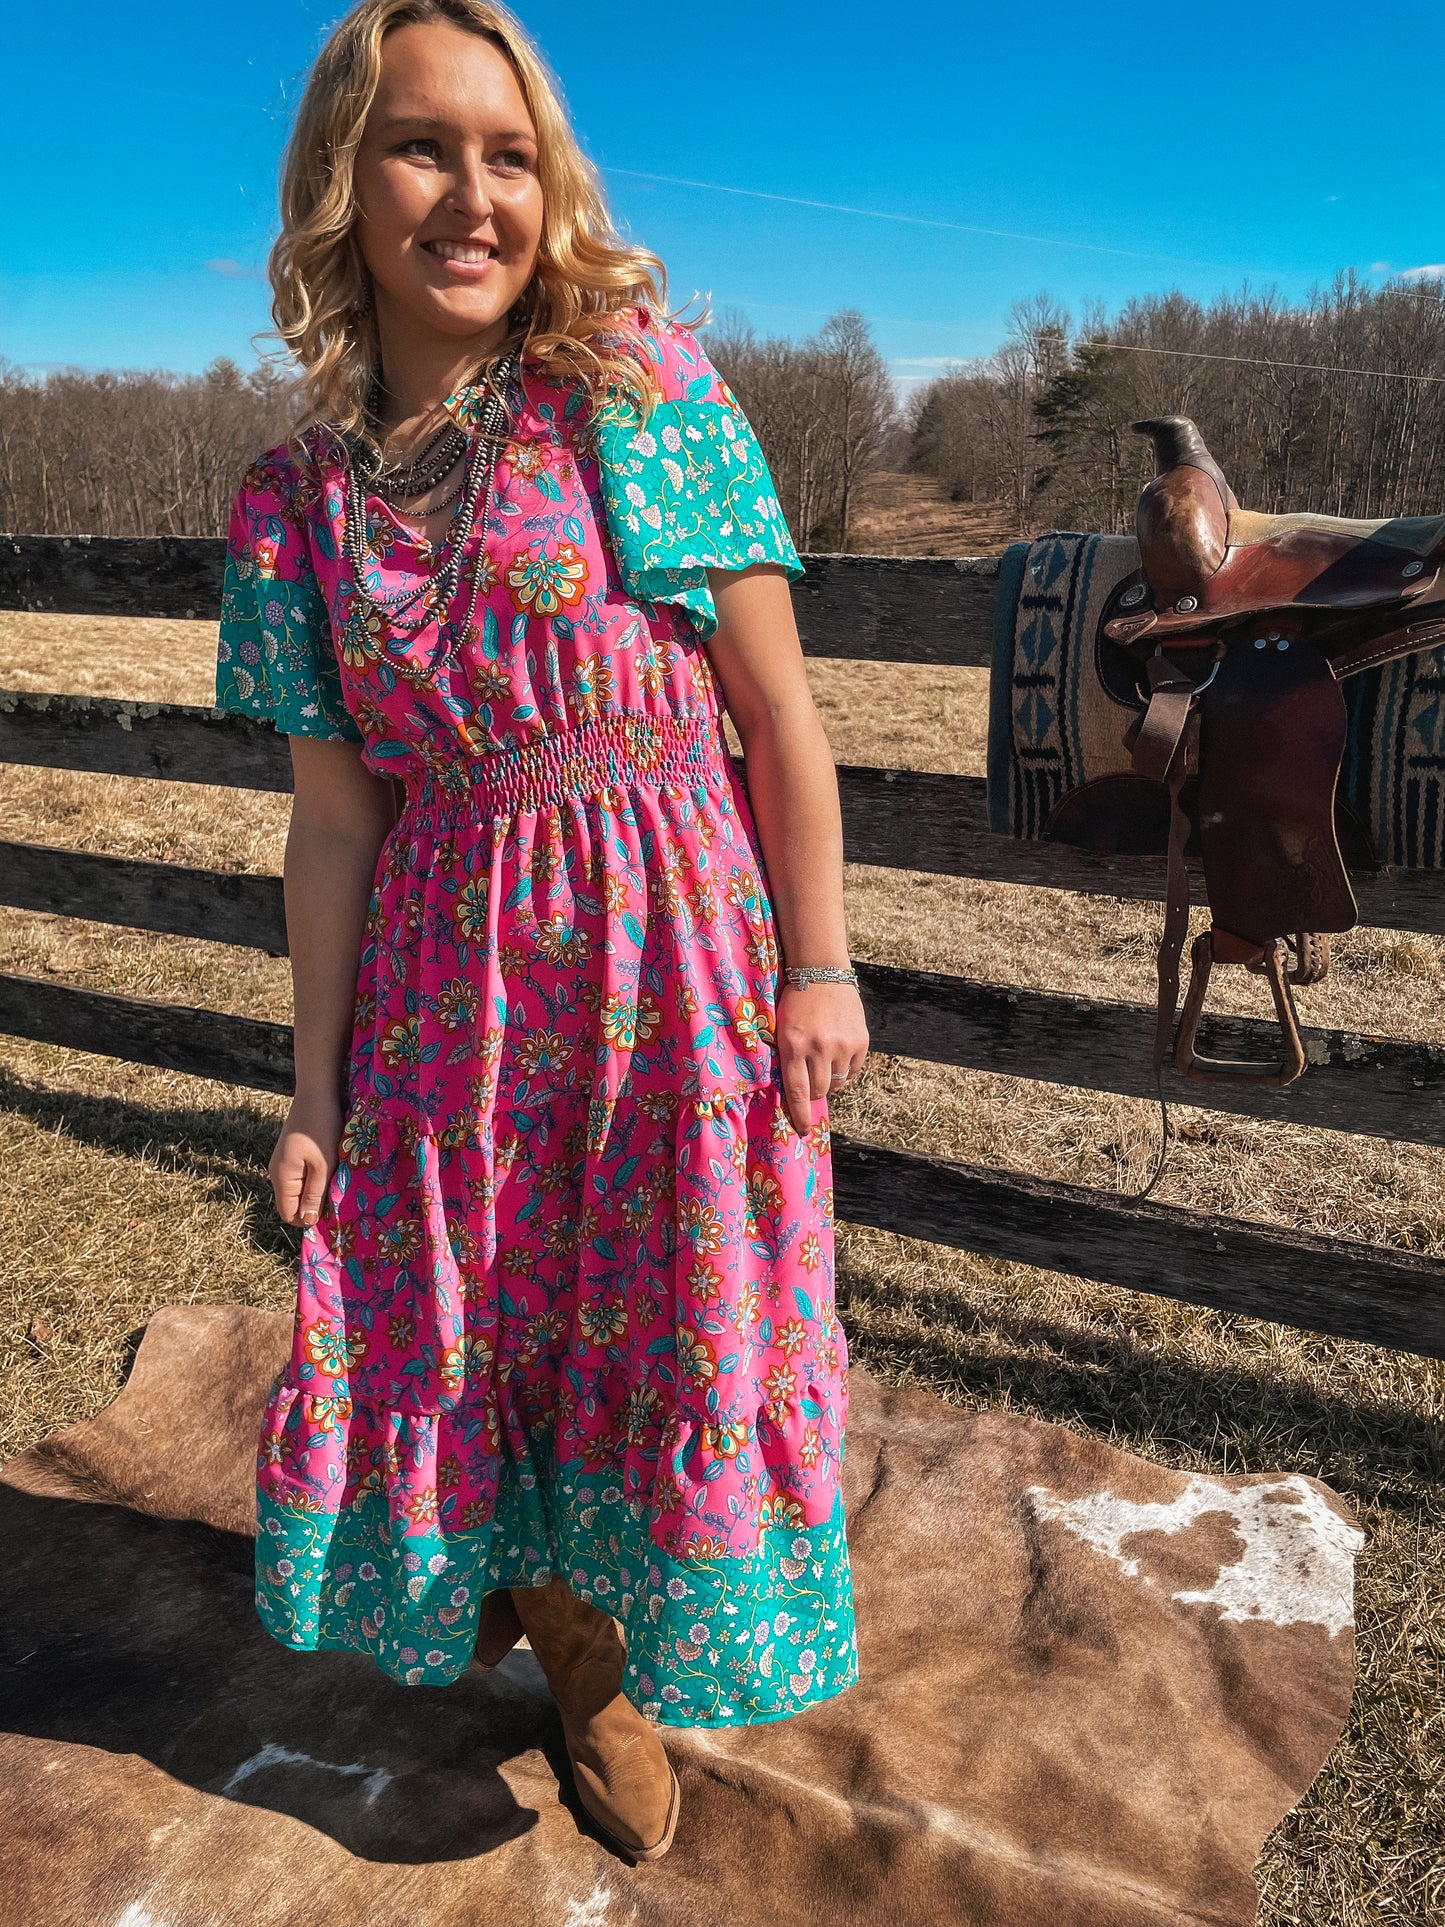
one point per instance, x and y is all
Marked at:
(1171, 943)
(1154, 744)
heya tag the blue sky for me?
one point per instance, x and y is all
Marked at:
(1110, 151)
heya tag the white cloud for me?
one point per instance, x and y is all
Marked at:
(1432, 271)
(233, 270)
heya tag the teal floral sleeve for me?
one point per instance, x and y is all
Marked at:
(686, 487)
(275, 659)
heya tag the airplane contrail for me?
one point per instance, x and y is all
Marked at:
(919, 220)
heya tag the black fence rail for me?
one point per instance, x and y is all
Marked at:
(863, 608)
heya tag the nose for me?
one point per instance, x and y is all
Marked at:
(469, 194)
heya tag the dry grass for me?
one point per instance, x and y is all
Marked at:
(125, 1188)
(900, 514)
(149, 662)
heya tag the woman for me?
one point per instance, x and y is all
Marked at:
(566, 1356)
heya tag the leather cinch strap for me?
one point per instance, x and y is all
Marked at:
(1163, 746)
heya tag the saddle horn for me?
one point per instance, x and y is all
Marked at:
(1176, 440)
(1183, 519)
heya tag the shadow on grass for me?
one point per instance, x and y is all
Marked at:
(166, 1660)
(1146, 1394)
(225, 1146)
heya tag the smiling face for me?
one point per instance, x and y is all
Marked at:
(449, 200)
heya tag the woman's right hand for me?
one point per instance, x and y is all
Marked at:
(305, 1157)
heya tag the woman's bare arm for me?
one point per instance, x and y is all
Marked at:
(822, 1034)
(340, 817)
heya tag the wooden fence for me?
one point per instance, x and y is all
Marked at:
(880, 610)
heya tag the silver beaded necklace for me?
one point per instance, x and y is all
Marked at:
(436, 589)
(402, 483)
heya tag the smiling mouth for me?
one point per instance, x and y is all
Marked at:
(470, 254)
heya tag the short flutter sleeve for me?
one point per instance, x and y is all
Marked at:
(685, 484)
(275, 660)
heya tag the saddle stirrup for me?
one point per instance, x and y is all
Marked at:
(1270, 960)
(1309, 958)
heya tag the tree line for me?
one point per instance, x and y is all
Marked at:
(1334, 405)
(134, 454)
(129, 454)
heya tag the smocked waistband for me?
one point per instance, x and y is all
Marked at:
(609, 753)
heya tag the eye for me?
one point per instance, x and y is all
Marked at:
(423, 146)
(512, 160)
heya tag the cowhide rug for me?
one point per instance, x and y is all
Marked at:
(1091, 1687)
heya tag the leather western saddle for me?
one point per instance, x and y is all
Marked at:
(1234, 635)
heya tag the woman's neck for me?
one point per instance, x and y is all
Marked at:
(418, 374)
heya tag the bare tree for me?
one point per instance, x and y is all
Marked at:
(860, 400)
(976, 429)
(822, 409)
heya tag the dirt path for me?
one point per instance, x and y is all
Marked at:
(902, 514)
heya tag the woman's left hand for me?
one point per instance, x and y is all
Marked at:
(822, 1042)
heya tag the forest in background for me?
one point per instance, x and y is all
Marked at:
(126, 453)
(134, 454)
(1336, 404)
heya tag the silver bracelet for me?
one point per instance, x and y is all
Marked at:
(806, 974)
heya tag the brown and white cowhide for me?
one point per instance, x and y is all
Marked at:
(1090, 1688)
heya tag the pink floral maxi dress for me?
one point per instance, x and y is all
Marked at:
(569, 1307)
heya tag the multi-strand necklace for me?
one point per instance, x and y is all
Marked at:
(366, 474)
(403, 484)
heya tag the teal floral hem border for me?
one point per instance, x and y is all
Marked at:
(731, 1642)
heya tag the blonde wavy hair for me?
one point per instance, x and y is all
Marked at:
(321, 307)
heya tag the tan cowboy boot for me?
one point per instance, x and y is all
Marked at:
(621, 1770)
(498, 1630)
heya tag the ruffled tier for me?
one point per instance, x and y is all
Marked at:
(662, 1307)
(322, 1451)
(721, 1642)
